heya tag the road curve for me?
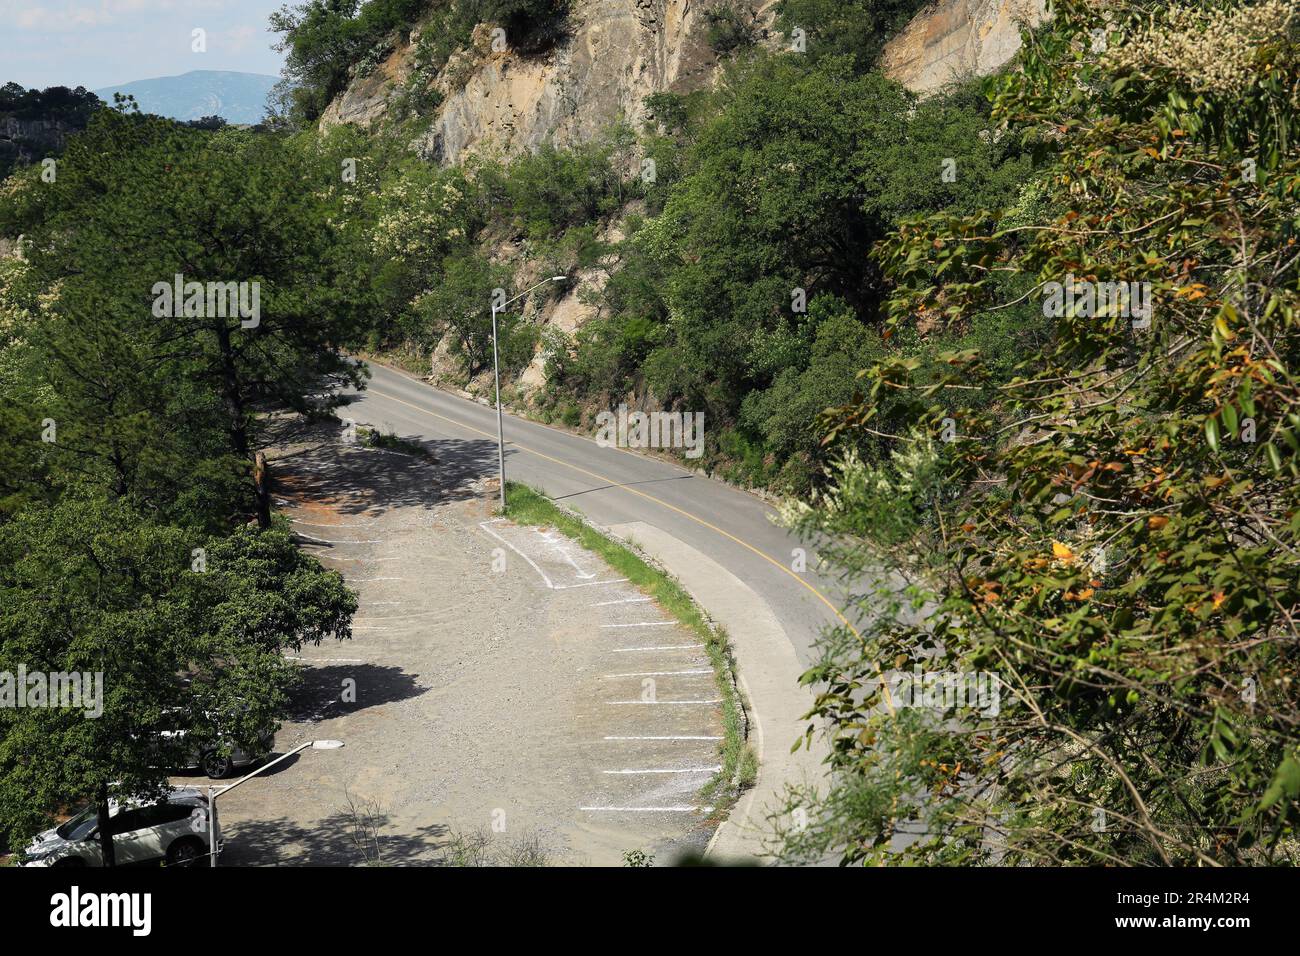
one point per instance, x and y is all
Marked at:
(612, 486)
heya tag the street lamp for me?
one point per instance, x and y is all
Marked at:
(496, 374)
(213, 793)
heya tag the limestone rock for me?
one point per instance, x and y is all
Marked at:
(953, 39)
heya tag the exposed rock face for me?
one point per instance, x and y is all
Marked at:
(24, 141)
(366, 97)
(618, 53)
(958, 38)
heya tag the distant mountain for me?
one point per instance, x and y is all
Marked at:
(237, 97)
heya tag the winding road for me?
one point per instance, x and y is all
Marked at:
(613, 487)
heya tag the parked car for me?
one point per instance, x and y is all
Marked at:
(180, 749)
(174, 829)
(211, 760)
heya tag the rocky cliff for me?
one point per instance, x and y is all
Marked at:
(953, 39)
(620, 51)
(24, 141)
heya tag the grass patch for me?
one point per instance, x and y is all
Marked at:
(739, 764)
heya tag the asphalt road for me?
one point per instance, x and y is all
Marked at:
(614, 486)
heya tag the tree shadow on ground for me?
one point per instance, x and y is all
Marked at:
(327, 842)
(352, 478)
(321, 693)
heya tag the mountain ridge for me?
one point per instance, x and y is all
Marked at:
(235, 96)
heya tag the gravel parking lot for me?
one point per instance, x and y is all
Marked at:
(501, 682)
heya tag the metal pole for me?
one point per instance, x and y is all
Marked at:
(496, 374)
(213, 794)
(212, 827)
(501, 441)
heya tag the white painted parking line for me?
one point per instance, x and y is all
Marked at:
(677, 809)
(687, 770)
(389, 451)
(640, 600)
(308, 537)
(377, 603)
(403, 617)
(702, 670)
(706, 700)
(358, 580)
(644, 624)
(531, 562)
(566, 552)
(329, 660)
(335, 557)
(592, 584)
(667, 737)
(654, 647)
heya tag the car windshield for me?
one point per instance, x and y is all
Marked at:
(79, 827)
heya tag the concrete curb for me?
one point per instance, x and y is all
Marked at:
(768, 674)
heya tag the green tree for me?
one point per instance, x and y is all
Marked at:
(1114, 535)
(184, 629)
(154, 387)
(461, 303)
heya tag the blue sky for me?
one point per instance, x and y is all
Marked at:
(98, 43)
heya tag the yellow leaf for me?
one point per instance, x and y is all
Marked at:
(1156, 522)
(1062, 552)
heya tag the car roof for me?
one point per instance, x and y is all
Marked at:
(174, 795)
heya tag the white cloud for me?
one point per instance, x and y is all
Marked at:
(61, 16)
(59, 19)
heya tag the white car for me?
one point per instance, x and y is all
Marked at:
(174, 830)
(211, 760)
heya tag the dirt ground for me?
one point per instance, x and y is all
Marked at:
(501, 682)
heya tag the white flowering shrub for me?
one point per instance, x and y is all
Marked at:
(1217, 51)
(422, 214)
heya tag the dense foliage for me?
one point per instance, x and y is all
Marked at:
(1114, 535)
(781, 185)
(131, 433)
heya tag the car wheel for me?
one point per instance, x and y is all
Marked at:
(185, 852)
(70, 861)
(216, 766)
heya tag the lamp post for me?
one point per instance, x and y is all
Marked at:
(496, 374)
(214, 792)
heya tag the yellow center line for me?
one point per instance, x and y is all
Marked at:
(635, 491)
